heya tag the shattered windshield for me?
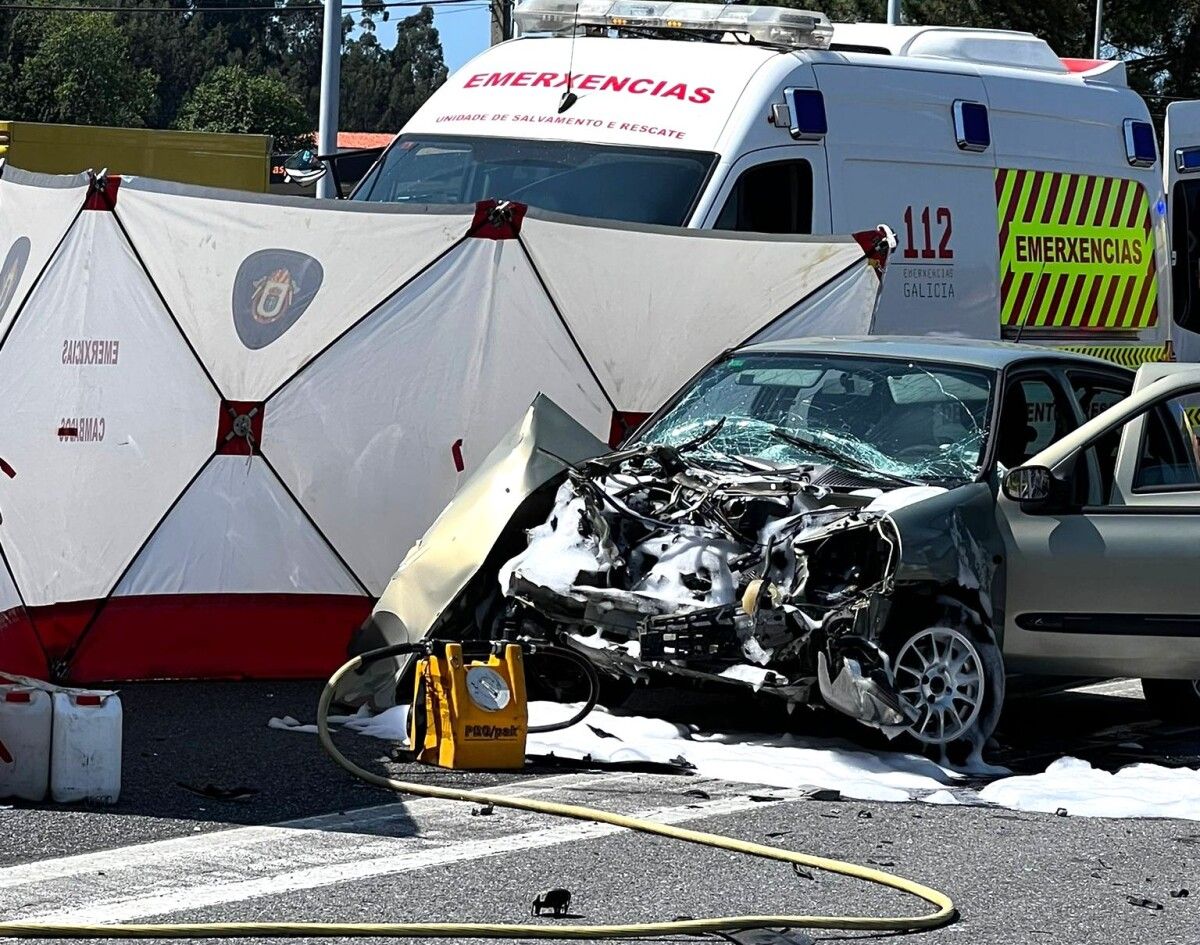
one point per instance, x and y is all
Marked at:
(907, 420)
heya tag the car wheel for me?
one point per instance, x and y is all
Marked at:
(950, 675)
(1173, 700)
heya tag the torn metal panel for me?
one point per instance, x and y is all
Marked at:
(951, 541)
(437, 570)
(862, 696)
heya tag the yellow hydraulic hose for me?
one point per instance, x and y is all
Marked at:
(943, 914)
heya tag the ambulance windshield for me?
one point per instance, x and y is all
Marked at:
(636, 185)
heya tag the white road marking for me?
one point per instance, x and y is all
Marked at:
(199, 876)
(1113, 687)
(179, 849)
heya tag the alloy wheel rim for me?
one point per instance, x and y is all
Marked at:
(939, 675)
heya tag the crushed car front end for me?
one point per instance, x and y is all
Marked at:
(809, 521)
(747, 535)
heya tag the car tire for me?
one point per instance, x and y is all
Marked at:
(950, 651)
(1173, 700)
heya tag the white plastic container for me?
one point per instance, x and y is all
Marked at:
(85, 752)
(25, 725)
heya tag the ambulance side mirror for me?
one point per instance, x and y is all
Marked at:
(304, 168)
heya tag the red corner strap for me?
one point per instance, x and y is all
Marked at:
(497, 220)
(877, 245)
(102, 195)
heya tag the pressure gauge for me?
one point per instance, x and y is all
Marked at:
(487, 688)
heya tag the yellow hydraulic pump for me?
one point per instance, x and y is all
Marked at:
(470, 715)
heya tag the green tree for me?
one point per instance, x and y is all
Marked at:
(180, 48)
(80, 72)
(381, 88)
(1160, 43)
(231, 99)
(366, 84)
(417, 69)
(298, 54)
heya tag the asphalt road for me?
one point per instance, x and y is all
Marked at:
(338, 850)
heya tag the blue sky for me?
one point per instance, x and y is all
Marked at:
(464, 31)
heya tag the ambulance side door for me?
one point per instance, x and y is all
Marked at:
(1181, 178)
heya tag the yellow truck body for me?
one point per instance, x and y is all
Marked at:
(240, 162)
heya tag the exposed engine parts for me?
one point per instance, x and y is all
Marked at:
(739, 571)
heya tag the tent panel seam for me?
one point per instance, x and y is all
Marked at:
(33, 286)
(166, 307)
(566, 326)
(61, 668)
(313, 522)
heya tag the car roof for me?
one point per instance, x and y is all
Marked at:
(968, 352)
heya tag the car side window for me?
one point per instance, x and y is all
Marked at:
(1094, 395)
(1168, 457)
(770, 198)
(1032, 416)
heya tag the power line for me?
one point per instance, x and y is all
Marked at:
(270, 10)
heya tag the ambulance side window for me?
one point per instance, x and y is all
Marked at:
(770, 198)
(1185, 240)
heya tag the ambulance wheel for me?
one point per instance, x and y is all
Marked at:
(950, 674)
(1173, 700)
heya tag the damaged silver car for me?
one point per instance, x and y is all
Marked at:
(747, 535)
(816, 520)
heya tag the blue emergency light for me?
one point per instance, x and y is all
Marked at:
(808, 114)
(971, 129)
(1187, 160)
(1140, 147)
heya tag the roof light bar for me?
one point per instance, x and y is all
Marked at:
(775, 26)
(558, 16)
(778, 26)
(638, 13)
(692, 16)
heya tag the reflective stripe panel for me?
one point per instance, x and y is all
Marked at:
(1076, 251)
(1130, 356)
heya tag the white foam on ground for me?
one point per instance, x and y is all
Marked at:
(1141, 790)
(783, 761)
(786, 761)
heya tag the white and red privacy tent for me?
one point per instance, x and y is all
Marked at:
(226, 417)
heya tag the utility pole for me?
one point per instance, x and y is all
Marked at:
(1099, 29)
(501, 11)
(894, 16)
(331, 81)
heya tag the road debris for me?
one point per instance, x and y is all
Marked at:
(557, 900)
(218, 793)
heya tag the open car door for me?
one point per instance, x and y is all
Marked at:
(1181, 180)
(1102, 576)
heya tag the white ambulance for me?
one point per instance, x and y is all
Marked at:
(1027, 191)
